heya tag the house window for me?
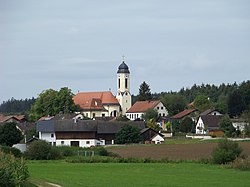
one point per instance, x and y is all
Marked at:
(159, 114)
(162, 107)
(87, 142)
(157, 108)
(163, 114)
(62, 142)
(93, 115)
(126, 83)
(52, 135)
(103, 115)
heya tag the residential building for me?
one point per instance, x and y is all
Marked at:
(81, 133)
(207, 123)
(140, 107)
(192, 113)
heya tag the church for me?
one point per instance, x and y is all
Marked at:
(105, 104)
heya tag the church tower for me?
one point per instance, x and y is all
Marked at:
(123, 87)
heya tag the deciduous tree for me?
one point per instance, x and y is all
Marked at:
(51, 102)
(9, 134)
(128, 134)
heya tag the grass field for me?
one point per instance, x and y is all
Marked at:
(113, 174)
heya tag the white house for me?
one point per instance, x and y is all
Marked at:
(207, 123)
(80, 133)
(157, 139)
(239, 124)
(140, 107)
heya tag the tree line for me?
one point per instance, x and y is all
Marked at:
(17, 106)
(232, 99)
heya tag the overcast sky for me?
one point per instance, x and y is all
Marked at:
(79, 44)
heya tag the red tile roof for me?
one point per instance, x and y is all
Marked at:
(6, 118)
(143, 106)
(183, 113)
(96, 100)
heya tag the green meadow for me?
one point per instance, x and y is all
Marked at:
(135, 174)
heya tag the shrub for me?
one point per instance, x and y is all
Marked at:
(241, 164)
(101, 151)
(38, 150)
(226, 151)
(41, 150)
(54, 154)
(13, 171)
(11, 150)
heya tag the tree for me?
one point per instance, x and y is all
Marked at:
(150, 114)
(144, 92)
(122, 118)
(128, 134)
(186, 125)
(202, 103)
(153, 125)
(227, 126)
(9, 134)
(236, 103)
(174, 103)
(226, 151)
(51, 102)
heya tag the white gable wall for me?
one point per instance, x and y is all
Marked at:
(158, 139)
(161, 109)
(200, 127)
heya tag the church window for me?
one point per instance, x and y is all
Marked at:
(119, 83)
(126, 83)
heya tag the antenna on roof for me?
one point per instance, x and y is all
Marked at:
(123, 58)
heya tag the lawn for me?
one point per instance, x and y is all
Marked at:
(113, 174)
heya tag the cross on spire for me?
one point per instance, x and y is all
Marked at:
(123, 58)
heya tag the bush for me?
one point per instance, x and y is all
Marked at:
(13, 171)
(38, 150)
(41, 150)
(241, 164)
(226, 151)
(11, 150)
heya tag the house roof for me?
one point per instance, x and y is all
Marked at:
(45, 126)
(143, 106)
(46, 118)
(207, 112)
(101, 127)
(4, 118)
(94, 100)
(147, 129)
(211, 121)
(183, 113)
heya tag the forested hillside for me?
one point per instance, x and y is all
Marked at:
(15, 106)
